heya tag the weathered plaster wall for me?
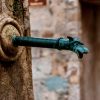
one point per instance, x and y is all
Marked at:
(55, 73)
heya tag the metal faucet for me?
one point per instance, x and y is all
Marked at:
(69, 43)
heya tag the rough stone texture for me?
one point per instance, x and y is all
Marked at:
(16, 76)
(59, 18)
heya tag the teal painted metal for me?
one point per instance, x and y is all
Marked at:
(69, 43)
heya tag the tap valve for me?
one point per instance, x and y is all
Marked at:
(69, 43)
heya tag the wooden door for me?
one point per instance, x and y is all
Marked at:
(90, 75)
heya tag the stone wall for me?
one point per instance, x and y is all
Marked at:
(55, 73)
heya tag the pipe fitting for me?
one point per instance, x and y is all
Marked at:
(8, 28)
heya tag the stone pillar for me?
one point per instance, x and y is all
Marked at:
(15, 62)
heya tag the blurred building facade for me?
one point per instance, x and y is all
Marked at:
(55, 73)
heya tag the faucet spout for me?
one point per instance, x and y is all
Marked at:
(69, 43)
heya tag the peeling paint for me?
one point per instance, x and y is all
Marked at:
(57, 84)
